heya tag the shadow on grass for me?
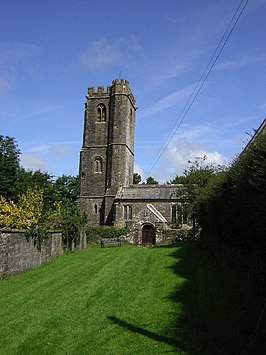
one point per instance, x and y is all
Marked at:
(213, 320)
(135, 329)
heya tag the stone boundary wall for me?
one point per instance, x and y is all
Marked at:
(18, 254)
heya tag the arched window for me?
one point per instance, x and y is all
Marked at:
(101, 113)
(98, 165)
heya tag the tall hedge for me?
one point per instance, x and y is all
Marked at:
(232, 213)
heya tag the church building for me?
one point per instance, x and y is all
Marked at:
(107, 192)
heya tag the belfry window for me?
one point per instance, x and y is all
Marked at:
(101, 113)
(98, 165)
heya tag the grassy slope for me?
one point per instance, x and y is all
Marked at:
(127, 300)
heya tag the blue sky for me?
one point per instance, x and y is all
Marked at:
(52, 51)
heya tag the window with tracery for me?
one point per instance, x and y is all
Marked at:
(98, 165)
(101, 113)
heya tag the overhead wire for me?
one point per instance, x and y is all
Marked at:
(201, 81)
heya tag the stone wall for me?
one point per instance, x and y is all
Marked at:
(18, 254)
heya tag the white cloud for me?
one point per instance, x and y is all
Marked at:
(239, 62)
(40, 149)
(172, 65)
(100, 54)
(5, 85)
(167, 101)
(51, 157)
(61, 150)
(32, 162)
(68, 142)
(16, 57)
(31, 111)
(17, 51)
(103, 53)
(175, 159)
(167, 71)
(53, 148)
(139, 170)
(40, 110)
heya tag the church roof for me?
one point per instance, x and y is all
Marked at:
(148, 192)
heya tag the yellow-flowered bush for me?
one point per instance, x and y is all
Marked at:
(24, 214)
(9, 212)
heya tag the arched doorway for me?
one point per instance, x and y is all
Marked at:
(148, 235)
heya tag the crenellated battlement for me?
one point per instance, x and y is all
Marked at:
(120, 81)
(100, 90)
(119, 87)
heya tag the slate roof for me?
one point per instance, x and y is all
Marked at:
(148, 192)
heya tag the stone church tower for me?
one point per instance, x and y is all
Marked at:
(107, 155)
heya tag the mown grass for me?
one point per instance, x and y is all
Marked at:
(127, 300)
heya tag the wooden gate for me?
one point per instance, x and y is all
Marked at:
(148, 235)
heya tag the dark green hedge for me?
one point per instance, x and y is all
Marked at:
(94, 234)
(232, 213)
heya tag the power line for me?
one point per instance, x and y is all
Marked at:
(204, 76)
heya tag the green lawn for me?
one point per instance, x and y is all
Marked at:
(128, 300)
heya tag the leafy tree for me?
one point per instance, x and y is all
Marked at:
(27, 179)
(136, 178)
(9, 166)
(31, 208)
(8, 213)
(151, 181)
(24, 214)
(66, 189)
(68, 218)
(198, 172)
(231, 211)
(197, 176)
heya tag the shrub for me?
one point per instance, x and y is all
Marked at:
(94, 234)
(231, 211)
(26, 213)
(69, 219)
(38, 235)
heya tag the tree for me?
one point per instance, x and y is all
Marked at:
(151, 181)
(27, 179)
(198, 174)
(66, 189)
(198, 179)
(136, 178)
(9, 166)
(24, 214)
